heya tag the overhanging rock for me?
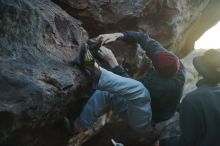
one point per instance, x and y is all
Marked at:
(175, 24)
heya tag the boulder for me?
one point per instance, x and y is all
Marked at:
(39, 84)
(192, 76)
(175, 24)
(38, 42)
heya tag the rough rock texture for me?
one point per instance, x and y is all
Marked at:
(38, 41)
(124, 135)
(38, 83)
(176, 24)
(191, 73)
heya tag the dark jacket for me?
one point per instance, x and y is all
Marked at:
(200, 116)
(165, 91)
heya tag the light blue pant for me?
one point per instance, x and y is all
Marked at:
(126, 96)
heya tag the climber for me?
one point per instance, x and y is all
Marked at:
(200, 110)
(164, 80)
(127, 96)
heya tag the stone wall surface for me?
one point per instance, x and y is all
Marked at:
(39, 39)
(176, 24)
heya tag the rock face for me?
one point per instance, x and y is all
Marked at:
(191, 73)
(176, 24)
(38, 83)
(38, 42)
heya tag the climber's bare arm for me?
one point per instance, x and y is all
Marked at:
(108, 56)
(111, 37)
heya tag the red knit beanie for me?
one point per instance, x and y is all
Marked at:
(167, 64)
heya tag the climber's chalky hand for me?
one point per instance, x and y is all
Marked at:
(107, 38)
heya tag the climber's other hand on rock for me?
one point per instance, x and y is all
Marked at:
(107, 38)
(108, 56)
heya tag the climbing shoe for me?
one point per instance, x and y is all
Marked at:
(69, 126)
(73, 127)
(85, 60)
(94, 46)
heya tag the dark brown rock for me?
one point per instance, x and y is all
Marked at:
(176, 24)
(38, 42)
(38, 83)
